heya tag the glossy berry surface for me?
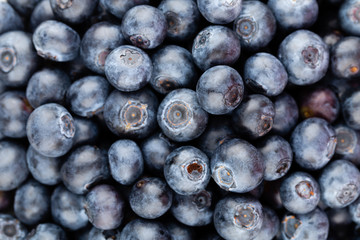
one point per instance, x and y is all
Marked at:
(11, 17)
(219, 11)
(73, 11)
(350, 109)
(119, 7)
(47, 230)
(42, 12)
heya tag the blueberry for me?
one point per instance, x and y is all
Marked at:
(313, 225)
(128, 68)
(67, 209)
(9, 18)
(119, 7)
(24, 7)
(41, 13)
(237, 166)
(270, 226)
(84, 167)
(179, 231)
(254, 117)
(61, 45)
(11, 228)
(98, 234)
(37, 164)
(140, 229)
(319, 102)
(220, 11)
(182, 18)
(339, 183)
(286, 114)
(187, 170)
(50, 130)
(144, 26)
(349, 16)
(277, 155)
(87, 96)
(345, 57)
(105, 207)
(73, 11)
(265, 74)
(14, 112)
(173, 68)
(126, 161)
(354, 210)
(47, 231)
(220, 90)
(131, 114)
(236, 216)
(98, 41)
(255, 25)
(348, 143)
(340, 222)
(300, 193)
(18, 59)
(292, 15)
(193, 210)
(150, 197)
(215, 45)
(13, 167)
(32, 202)
(47, 86)
(305, 57)
(180, 116)
(313, 142)
(87, 131)
(350, 103)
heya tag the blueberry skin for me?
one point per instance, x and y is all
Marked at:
(179, 231)
(67, 209)
(141, 229)
(339, 183)
(313, 142)
(128, 68)
(277, 155)
(18, 59)
(349, 17)
(37, 164)
(150, 197)
(61, 45)
(131, 115)
(42, 12)
(173, 67)
(50, 130)
(98, 41)
(265, 74)
(254, 117)
(187, 171)
(255, 25)
(47, 231)
(350, 108)
(13, 167)
(155, 149)
(348, 143)
(32, 202)
(14, 112)
(313, 225)
(215, 45)
(292, 15)
(24, 7)
(144, 26)
(286, 114)
(87, 131)
(305, 57)
(237, 166)
(74, 11)
(47, 86)
(354, 209)
(118, 8)
(236, 216)
(220, 90)
(98, 234)
(9, 18)
(87, 96)
(300, 193)
(105, 207)
(193, 210)
(270, 226)
(181, 17)
(126, 161)
(180, 116)
(345, 55)
(11, 228)
(84, 167)
(219, 11)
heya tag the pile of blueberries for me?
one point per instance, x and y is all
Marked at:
(179, 119)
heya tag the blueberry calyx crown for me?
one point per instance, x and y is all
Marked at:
(67, 127)
(283, 166)
(131, 58)
(202, 200)
(265, 125)
(331, 146)
(177, 115)
(224, 177)
(166, 84)
(134, 115)
(173, 22)
(304, 189)
(234, 94)
(140, 41)
(246, 27)
(346, 142)
(194, 169)
(202, 38)
(64, 4)
(246, 216)
(311, 56)
(347, 194)
(290, 226)
(8, 59)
